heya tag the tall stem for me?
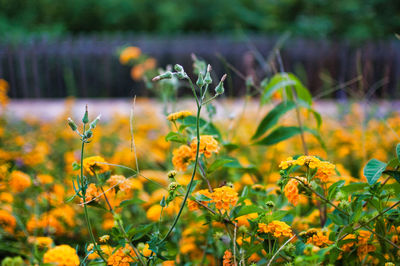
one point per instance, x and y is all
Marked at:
(193, 173)
(89, 225)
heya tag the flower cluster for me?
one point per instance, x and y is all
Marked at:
(122, 256)
(95, 164)
(291, 190)
(208, 145)
(318, 238)
(19, 181)
(7, 221)
(178, 115)
(324, 169)
(185, 154)
(276, 228)
(62, 255)
(224, 198)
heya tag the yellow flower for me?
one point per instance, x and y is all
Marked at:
(43, 241)
(62, 255)
(324, 169)
(276, 228)
(182, 157)
(19, 181)
(128, 54)
(104, 238)
(208, 145)
(178, 115)
(153, 213)
(94, 165)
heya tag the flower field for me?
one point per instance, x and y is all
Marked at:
(275, 184)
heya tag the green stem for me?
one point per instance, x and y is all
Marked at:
(193, 174)
(89, 226)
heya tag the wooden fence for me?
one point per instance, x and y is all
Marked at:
(88, 66)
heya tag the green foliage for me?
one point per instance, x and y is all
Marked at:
(314, 18)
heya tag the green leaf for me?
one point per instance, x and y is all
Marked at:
(176, 137)
(205, 127)
(394, 174)
(247, 209)
(398, 151)
(282, 133)
(130, 202)
(373, 170)
(272, 118)
(278, 135)
(334, 188)
(277, 82)
(218, 163)
(353, 187)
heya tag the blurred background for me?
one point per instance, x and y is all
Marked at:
(55, 49)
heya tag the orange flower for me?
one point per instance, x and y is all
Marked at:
(137, 72)
(192, 205)
(62, 255)
(291, 190)
(208, 145)
(224, 198)
(319, 238)
(182, 157)
(228, 258)
(128, 54)
(7, 221)
(19, 181)
(122, 257)
(95, 164)
(276, 228)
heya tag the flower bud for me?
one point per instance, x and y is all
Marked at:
(243, 229)
(163, 202)
(178, 68)
(94, 122)
(172, 186)
(180, 75)
(89, 134)
(200, 80)
(171, 174)
(166, 75)
(85, 118)
(72, 124)
(207, 78)
(270, 204)
(220, 88)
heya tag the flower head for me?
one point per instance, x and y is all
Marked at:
(94, 165)
(276, 228)
(128, 54)
(62, 255)
(208, 145)
(178, 115)
(182, 157)
(19, 181)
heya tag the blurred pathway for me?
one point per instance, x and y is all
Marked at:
(51, 109)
